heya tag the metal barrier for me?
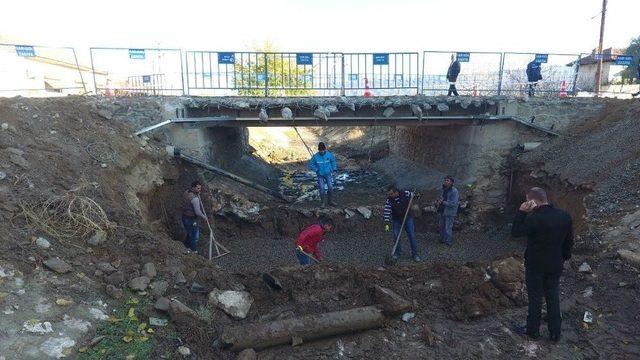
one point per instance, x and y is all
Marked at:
(140, 71)
(381, 73)
(479, 72)
(558, 71)
(262, 73)
(34, 70)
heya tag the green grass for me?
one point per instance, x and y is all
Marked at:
(120, 327)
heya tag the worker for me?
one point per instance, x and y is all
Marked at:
(323, 163)
(448, 209)
(452, 75)
(396, 210)
(533, 76)
(191, 211)
(307, 243)
(549, 242)
(638, 79)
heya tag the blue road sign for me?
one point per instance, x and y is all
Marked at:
(261, 77)
(25, 51)
(306, 78)
(226, 58)
(304, 58)
(381, 59)
(597, 57)
(137, 54)
(463, 56)
(353, 77)
(624, 60)
(542, 58)
(146, 79)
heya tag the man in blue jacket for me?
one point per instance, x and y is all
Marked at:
(448, 209)
(323, 163)
(534, 75)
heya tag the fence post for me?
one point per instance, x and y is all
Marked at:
(266, 75)
(93, 71)
(575, 76)
(186, 67)
(501, 71)
(342, 87)
(84, 87)
(182, 73)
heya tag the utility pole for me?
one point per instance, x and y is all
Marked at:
(599, 68)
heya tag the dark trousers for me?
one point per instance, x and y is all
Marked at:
(532, 89)
(452, 90)
(543, 284)
(193, 232)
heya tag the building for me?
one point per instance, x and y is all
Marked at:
(611, 73)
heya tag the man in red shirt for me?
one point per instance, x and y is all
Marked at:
(308, 240)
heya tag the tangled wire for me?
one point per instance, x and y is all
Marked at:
(67, 217)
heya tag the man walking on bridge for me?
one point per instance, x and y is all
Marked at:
(549, 233)
(191, 211)
(534, 75)
(323, 163)
(452, 75)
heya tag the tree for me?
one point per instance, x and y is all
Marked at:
(268, 70)
(634, 50)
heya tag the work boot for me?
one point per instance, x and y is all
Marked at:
(323, 200)
(329, 198)
(417, 258)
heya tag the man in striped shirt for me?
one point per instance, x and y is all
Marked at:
(395, 208)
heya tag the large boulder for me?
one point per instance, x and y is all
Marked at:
(508, 276)
(57, 265)
(140, 283)
(234, 303)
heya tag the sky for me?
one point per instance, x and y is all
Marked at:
(547, 26)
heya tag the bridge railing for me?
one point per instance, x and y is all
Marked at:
(33, 70)
(479, 72)
(137, 71)
(557, 70)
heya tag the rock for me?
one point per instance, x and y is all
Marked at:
(388, 112)
(43, 243)
(149, 270)
(234, 303)
(585, 268)
(442, 107)
(98, 238)
(426, 106)
(15, 151)
(158, 288)
(184, 351)
(321, 113)
(140, 283)
(3, 175)
(247, 354)
(105, 114)
(272, 281)
(4, 126)
(390, 301)
(179, 311)
(98, 273)
(19, 160)
(286, 113)
(57, 265)
(263, 116)
(57, 347)
(406, 317)
(331, 109)
(106, 268)
(427, 335)
(508, 276)
(114, 292)
(417, 111)
(630, 257)
(162, 304)
(465, 102)
(37, 327)
(348, 214)
(180, 279)
(365, 212)
(116, 278)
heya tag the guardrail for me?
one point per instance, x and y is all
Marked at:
(30, 70)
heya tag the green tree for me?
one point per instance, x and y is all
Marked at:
(274, 71)
(631, 71)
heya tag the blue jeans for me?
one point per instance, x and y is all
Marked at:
(411, 233)
(303, 258)
(446, 229)
(193, 232)
(325, 181)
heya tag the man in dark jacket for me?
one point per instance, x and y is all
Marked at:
(549, 233)
(452, 75)
(638, 79)
(395, 208)
(534, 74)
